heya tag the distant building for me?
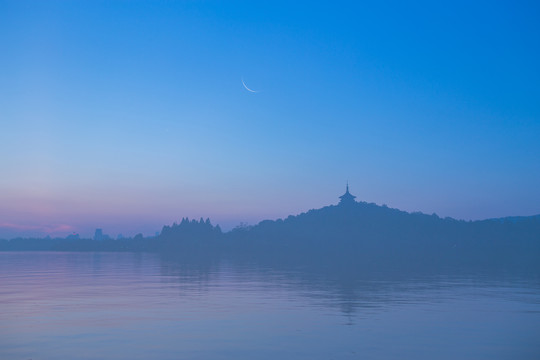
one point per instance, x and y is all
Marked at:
(98, 235)
(347, 198)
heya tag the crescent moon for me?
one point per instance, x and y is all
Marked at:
(248, 89)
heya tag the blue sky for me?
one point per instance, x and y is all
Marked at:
(128, 115)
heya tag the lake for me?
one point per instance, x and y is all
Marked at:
(149, 306)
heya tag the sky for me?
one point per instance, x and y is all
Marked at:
(129, 115)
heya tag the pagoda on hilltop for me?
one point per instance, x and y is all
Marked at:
(347, 198)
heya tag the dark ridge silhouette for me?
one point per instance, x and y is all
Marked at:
(348, 233)
(367, 233)
(190, 236)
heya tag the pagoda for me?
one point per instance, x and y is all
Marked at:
(347, 198)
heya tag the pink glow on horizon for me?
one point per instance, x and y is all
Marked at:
(61, 228)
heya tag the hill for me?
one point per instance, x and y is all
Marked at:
(350, 232)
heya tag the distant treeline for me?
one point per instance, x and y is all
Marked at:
(357, 232)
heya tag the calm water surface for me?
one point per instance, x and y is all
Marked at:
(143, 306)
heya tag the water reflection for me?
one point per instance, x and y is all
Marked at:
(138, 306)
(350, 287)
